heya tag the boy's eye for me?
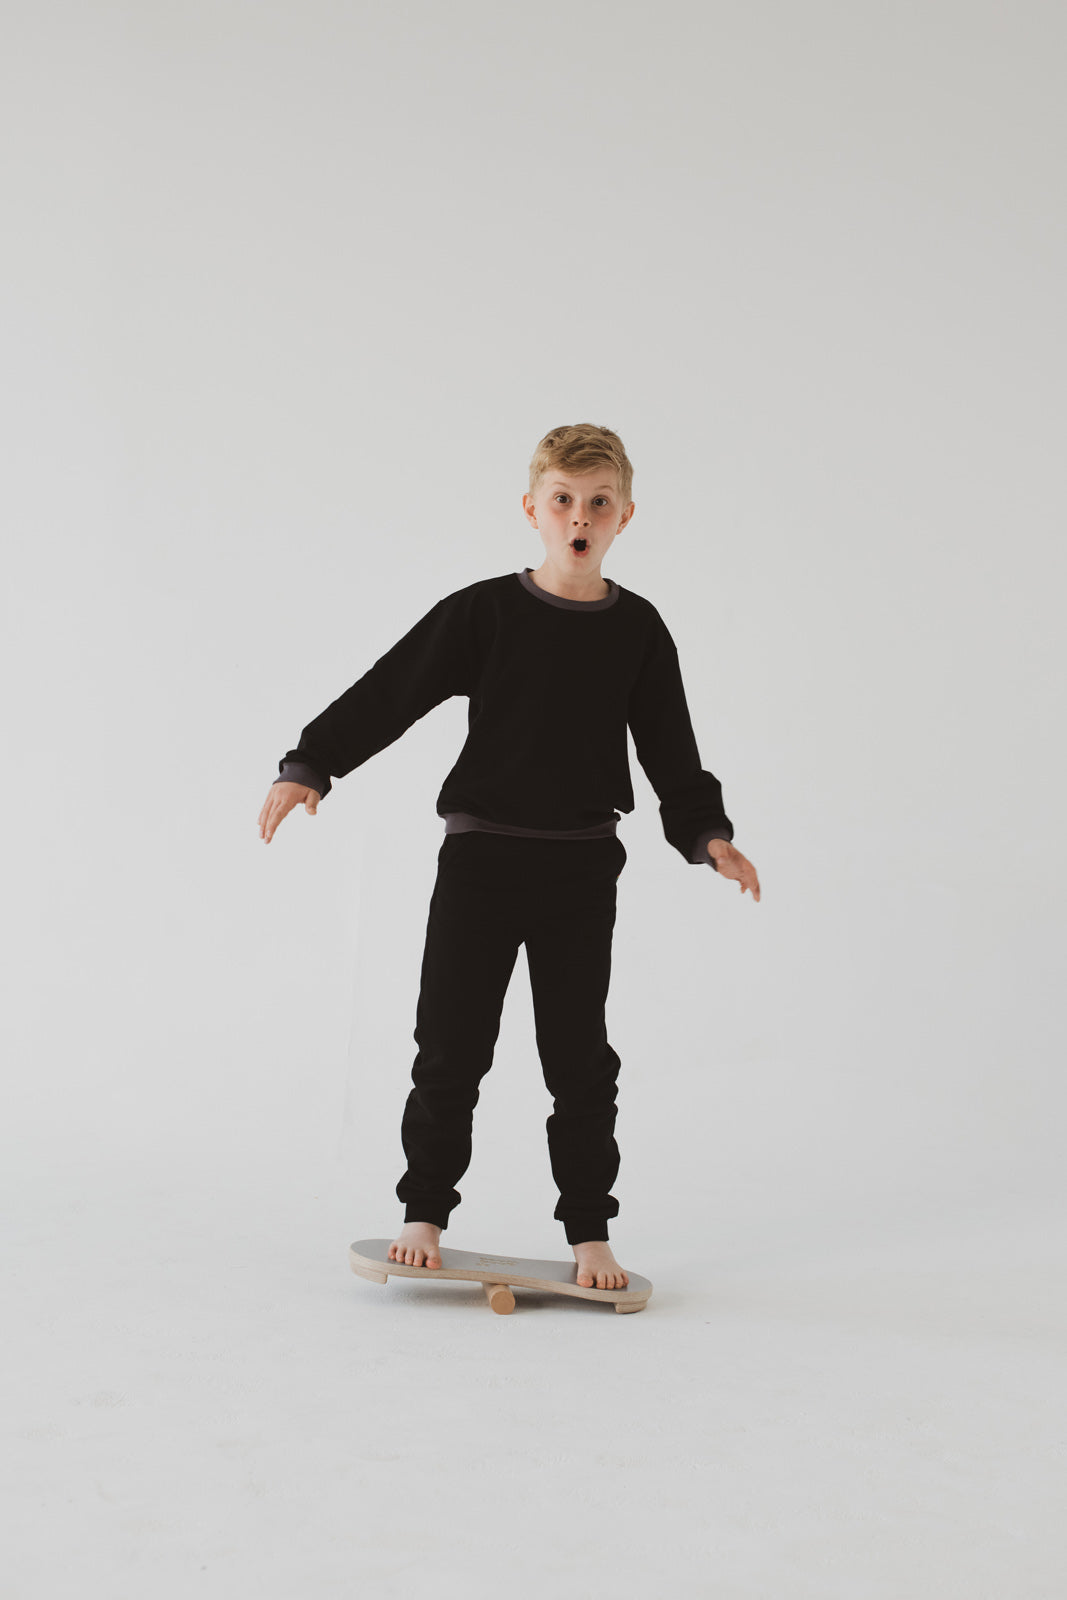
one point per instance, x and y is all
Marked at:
(567, 497)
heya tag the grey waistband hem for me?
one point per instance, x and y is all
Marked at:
(463, 822)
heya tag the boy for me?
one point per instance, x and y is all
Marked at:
(557, 663)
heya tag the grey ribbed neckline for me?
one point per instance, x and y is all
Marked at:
(568, 605)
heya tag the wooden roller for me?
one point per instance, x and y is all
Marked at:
(499, 1297)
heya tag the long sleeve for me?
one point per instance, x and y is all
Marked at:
(691, 807)
(426, 666)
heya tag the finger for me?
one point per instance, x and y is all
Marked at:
(272, 805)
(278, 812)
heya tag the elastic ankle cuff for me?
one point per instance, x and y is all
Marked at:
(420, 1214)
(584, 1232)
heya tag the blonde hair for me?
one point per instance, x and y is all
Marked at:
(581, 447)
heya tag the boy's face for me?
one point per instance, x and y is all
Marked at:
(568, 507)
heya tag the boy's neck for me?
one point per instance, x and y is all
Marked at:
(591, 586)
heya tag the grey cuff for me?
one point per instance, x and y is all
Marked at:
(299, 772)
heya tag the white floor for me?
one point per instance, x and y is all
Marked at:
(203, 1400)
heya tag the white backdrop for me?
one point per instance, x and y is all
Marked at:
(290, 294)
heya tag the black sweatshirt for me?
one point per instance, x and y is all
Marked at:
(553, 685)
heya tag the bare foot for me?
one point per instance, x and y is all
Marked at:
(597, 1267)
(416, 1245)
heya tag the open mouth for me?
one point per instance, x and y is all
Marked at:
(579, 545)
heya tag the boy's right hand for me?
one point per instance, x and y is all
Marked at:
(281, 798)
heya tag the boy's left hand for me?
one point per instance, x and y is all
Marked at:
(732, 864)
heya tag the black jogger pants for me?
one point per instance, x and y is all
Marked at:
(493, 893)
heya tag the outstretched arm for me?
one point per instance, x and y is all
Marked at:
(426, 666)
(691, 807)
